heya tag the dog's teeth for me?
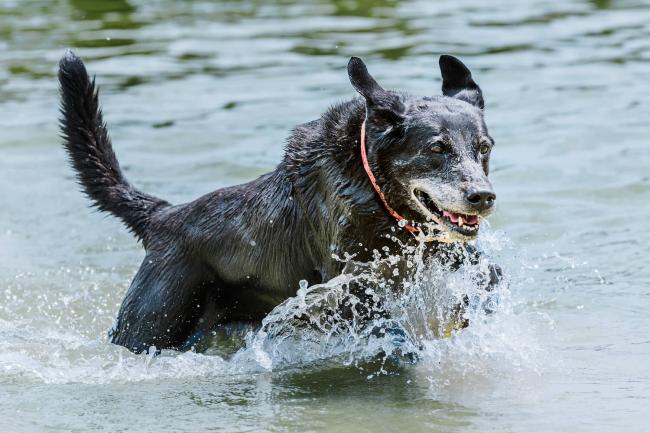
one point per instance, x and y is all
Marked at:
(460, 221)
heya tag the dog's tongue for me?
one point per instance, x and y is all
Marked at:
(467, 219)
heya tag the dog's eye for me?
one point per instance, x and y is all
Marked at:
(484, 148)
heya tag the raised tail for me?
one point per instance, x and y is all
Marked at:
(89, 147)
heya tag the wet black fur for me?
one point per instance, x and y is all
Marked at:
(235, 253)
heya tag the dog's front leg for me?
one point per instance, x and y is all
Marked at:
(488, 277)
(485, 277)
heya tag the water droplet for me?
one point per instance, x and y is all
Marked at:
(401, 223)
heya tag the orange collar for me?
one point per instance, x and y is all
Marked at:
(366, 166)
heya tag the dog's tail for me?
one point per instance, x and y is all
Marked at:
(89, 148)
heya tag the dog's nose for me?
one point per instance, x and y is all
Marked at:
(481, 199)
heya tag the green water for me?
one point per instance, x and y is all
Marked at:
(201, 94)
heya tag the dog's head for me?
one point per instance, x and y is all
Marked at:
(430, 155)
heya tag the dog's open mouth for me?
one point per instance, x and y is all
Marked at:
(463, 224)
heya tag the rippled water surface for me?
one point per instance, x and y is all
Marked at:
(202, 94)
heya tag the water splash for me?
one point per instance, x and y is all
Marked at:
(353, 319)
(424, 321)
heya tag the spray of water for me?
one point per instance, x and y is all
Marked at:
(443, 313)
(442, 321)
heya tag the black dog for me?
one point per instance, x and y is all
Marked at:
(369, 172)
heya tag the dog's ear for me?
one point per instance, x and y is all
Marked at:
(382, 107)
(457, 81)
